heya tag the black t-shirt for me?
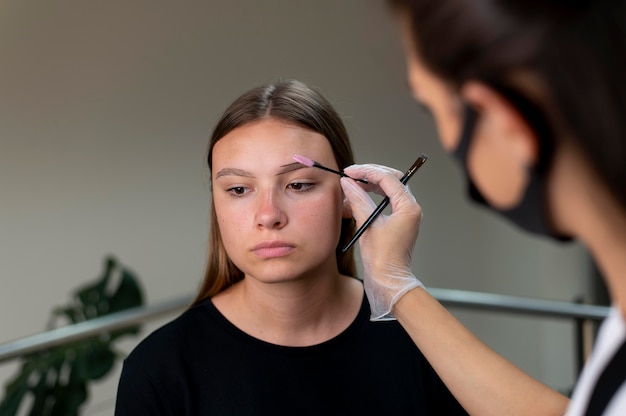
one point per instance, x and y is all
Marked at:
(201, 364)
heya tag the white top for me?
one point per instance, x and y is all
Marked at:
(611, 335)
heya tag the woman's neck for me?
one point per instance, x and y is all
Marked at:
(586, 209)
(605, 237)
(296, 313)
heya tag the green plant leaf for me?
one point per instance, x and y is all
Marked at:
(68, 399)
(21, 379)
(127, 295)
(55, 392)
(99, 360)
(92, 293)
(71, 314)
(12, 401)
(40, 393)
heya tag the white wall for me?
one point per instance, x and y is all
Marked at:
(105, 112)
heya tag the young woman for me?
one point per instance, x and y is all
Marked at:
(530, 98)
(280, 325)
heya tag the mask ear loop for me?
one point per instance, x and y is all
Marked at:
(470, 117)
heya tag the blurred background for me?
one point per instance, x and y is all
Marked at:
(105, 113)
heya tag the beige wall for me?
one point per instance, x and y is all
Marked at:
(105, 110)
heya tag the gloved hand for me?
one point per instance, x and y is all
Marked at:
(386, 246)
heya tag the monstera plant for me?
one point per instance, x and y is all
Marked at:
(57, 379)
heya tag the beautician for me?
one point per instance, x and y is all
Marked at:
(530, 98)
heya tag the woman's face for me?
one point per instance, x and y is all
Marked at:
(493, 163)
(431, 92)
(279, 220)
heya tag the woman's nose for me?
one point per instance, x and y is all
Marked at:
(270, 213)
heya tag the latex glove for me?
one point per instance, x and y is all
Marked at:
(386, 246)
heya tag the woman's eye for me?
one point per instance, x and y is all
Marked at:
(300, 186)
(236, 190)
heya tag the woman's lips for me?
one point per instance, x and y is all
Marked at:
(270, 249)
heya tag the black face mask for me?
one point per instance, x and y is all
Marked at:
(531, 213)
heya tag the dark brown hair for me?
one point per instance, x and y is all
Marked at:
(293, 102)
(576, 48)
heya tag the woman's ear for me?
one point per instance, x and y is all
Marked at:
(502, 122)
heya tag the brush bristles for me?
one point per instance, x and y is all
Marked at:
(311, 163)
(304, 160)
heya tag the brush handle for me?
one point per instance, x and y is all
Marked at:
(383, 204)
(317, 165)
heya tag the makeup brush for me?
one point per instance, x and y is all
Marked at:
(311, 163)
(407, 175)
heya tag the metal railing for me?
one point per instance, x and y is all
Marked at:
(83, 330)
(527, 306)
(448, 297)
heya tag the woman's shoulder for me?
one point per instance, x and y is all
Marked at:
(174, 337)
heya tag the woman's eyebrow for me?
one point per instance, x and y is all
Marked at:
(290, 167)
(241, 172)
(233, 172)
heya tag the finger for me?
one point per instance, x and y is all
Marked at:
(374, 174)
(384, 181)
(373, 170)
(360, 202)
